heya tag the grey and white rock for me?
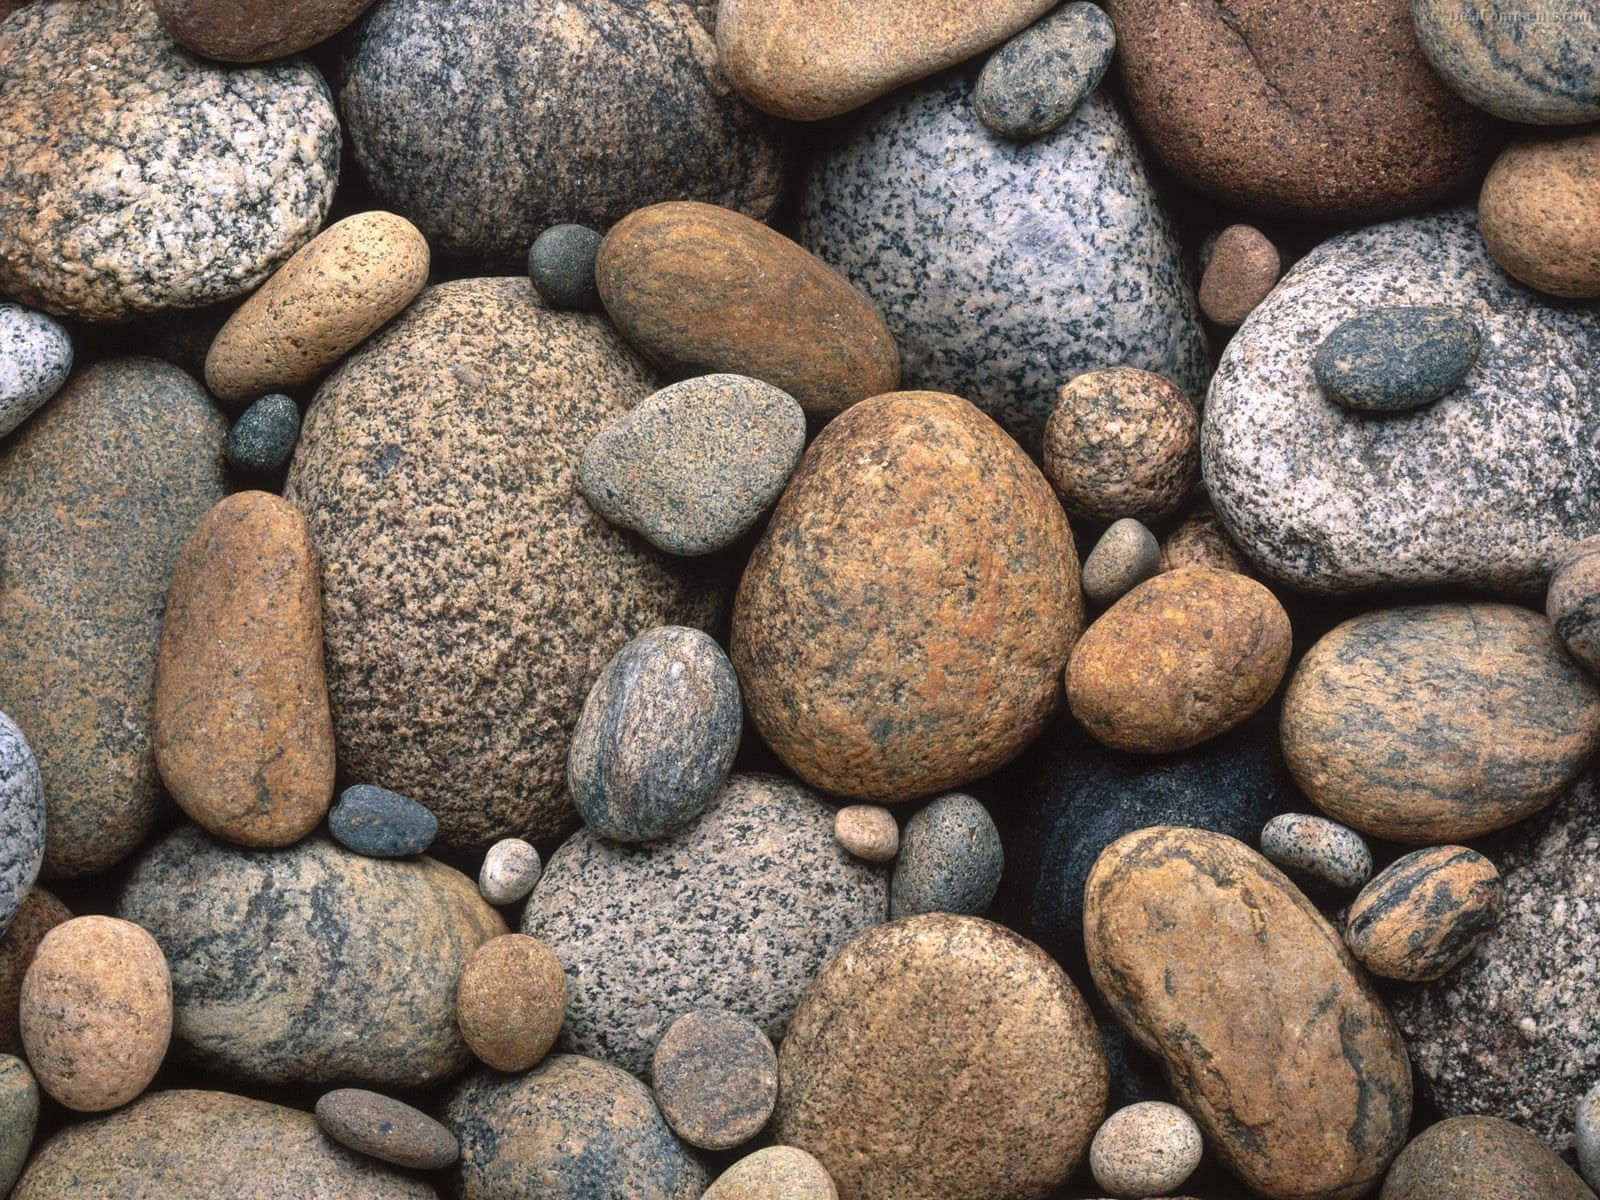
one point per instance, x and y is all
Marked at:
(263, 437)
(1317, 853)
(1125, 556)
(21, 820)
(19, 1117)
(1034, 82)
(561, 265)
(1145, 1149)
(1586, 1136)
(1573, 601)
(35, 360)
(950, 860)
(510, 870)
(387, 1129)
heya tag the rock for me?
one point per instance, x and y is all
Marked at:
(21, 820)
(1032, 84)
(100, 490)
(35, 359)
(1573, 601)
(865, 1072)
(1178, 660)
(238, 31)
(241, 729)
(19, 1117)
(126, 206)
(40, 913)
(1199, 540)
(716, 1078)
(950, 861)
(386, 1129)
(488, 121)
(1318, 854)
(381, 824)
(1297, 110)
(867, 831)
(1269, 1035)
(490, 543)
(1514, 58)
(992, 262)
(1125, 556)
(510, 871)
(1481, 1158)
(1539, 214)
(193, 1145)
(263, 437)
(1439, 722)
(737, 912)
(1243, 268)
(568, 1127)
(511, 1001)
(1147, 1149)
(694, 467)
(1424, 914)
(561, 265)
(310, 965)
(1585, 1136)
(886, 649)
(776, 1173)
(96, 1012)
(1395, 358)
(337, 291)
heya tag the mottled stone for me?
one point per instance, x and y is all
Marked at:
(866, 1070)
(1523, 60)
(40, 913)
(1125, 556)
(1199, 540)
(242, 31)
(1032, 84)
(867, 831)
(1440, 722)
(139, 178)
(510, 870)
(715, 1076)
(21, 820)
(1572, 602)
(1424, 914)
(35, 360)
(1318, 854)
(1146, 1149)
(470, 596)
(950, 860)
(1481, 1158)
(19, 1117)
(1586, 1136)
(312, 964)
(511, 1001)
(1396, 357)
(100, 490)
(561, 265)
(263, 437)
(386, 1129)
(1539, 213)
(381, 824)
(993, 262)
(776, 1173)
(902, 624)
(737, 912)
(1243, 267)
(1270, 1036)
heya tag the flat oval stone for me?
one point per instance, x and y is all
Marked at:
(1481, 1158)
(241, 31)
(263, 437)
(21, 820)
(381, 824)
(1125, 556)
(1424, 913)
(869, 831)
(19, 1118)
(1243, 267)
(1317, 853)
(561, 265)
(40, 913)
(715, 1076)
(35, 360)
(386, 1129)
(1271, 1038)
(775, 1173)
(1540, 216)
(1438, 723)
(950, 860)
(1395, 358)
(1145, 1149)
(1573, 601)
(511, 1001)
(510, 870)
(1034, 82)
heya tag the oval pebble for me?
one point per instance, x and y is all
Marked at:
(869, 831)
(1243, 267)
(35, 360)
(1424, 913)
(1145, 1149)
(1572, 601)
(263, 438)
(381, 824)
(1539, 214)
(1316, 852)
(776, 1173)
(19, 1118)
(1397, 357)
(511, 1001)
(1125, 556)
(1035, 82)
(561, 265)
(510, 871)
(1480, 1158)
(389, 1130)
(950, 860)
(716, 1078)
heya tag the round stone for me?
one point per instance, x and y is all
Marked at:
(776, 1173)
(510, 871)
(1318, 854)
(511, 1001)
(263, 437)
(241, 31)
(1572, 602)
(1539, 214)
(716, 1078)
(1395, 358)
(40, 913)
(1480, 1158)
(381, 824)
(1585, 1137)
(1125, 556)
(1146, 1149)
(1243, 267)
(868, 831)
(35, 360)
(561, 265)
(1199, 540)
(19, 1117)
(1033, 83)
(386, 1129)
(1424, 914)
(950, 860)
(21, 820)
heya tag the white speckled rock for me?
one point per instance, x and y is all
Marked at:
(1145, 1149)
(35, 360)
(21, 819)
(1316, 852)
(510, 871)
(1004, 270)
(1481, 490)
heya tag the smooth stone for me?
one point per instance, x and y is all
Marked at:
(1572, 602)
(1424, 914)
(1317, 853)
(736, 912)
(242, 31)
(1481, 1158)
(901, 1013)
(1146, 1149)
(1396, 358)
(263, 438)
(21, 821)
(715, 1076)
(40, 913)
(775, 1173)
(241, 728)
(386, 1129)
(886, 648)
(381, 824)
(1125, 556)
(1438, 723)
(100, 490)
(950, 860)
(1199, 540)
(1585, 1136)
(1033, 83)
(1478, 492)
(125, 206)
(337, 291)
(535, 591)
(569, 1129)
(868, 831)
(35, 360)
(252, 938)
(696, 466)
(992, 261)
(1540, 215)
(510, 870)
(511, 1001)
(561, 265)
(1241, 272)
(1270, 1036)
(19, 1117)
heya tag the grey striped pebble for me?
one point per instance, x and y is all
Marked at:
(1422, 915)
(1573, 601)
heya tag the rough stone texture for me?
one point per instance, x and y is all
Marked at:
(386, 1129)
(136, 178)
(1394, 358)
(902, 624)
(1199, 540)
(950, 860)
(510, 870)
(244, 31)
(715, 1077)
(867, 831)
(1481, 1158)
(1296, 108)
(1269, 1034)
(240, 728)
(1539, 214)
(21, 820)
(40, 913)
(866, 1071)
(100, 490)
(380, 823)
(1033, 83)
(470, 596)
(569, 1129)
(776, 1173)
(1479, 491)
(488, 121)
(1146, 1149)
(993, 262)
(1424, 914)
(337, 291)
(1573, 601)
(310, 965)
(263, 437)
(511, 1001)
(19, 1117)
(1440, 722)
(1586, 1135)
(1242, 270)
(1317, 853)
(193, 1145)
(1125, 556)
(561, 265)
(737, 912)
(35, 360)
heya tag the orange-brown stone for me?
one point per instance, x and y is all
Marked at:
(1539, 214)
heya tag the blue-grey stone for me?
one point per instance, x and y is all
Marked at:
(1317, 853)
(263, 437)
(1034, 82)
(561, 265)
(1396, 357)
(19, 1117)
(381, 824)
(950, 860)
(21, 821)
(35, 360)
(1533, 61)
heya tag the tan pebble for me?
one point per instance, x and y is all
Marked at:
(776, 1173)
(1244, 267)
(40, 913)
(868, 831)
(1424, 913)
(511, 1001)
(716, 1078)
(1539, 214)
(1199, 540)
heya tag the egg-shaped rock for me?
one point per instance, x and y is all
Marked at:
(1424, 913)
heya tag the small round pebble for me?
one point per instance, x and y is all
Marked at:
(1573, 601)
(1395, 358)
(1146, 1149)
(509, 872)
(869, 831)
(381, 824)
(19, 1117)
(264, 436)
(1244, 266)
(1125, 556)
(716, 1078)
(35, 360)
(511, 1001)
(1425, 913)
(561, 265)
(1034, 82)
(1317, 852)
(1586, 1137)
(950, 860)
(776, 1173)
(389, 1130)
(1539, 214)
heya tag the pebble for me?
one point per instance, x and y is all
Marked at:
(40, 913)
(716, 1078)
(35, 360)
(950, 860)
(775, 1173)
(1199, 540)
(1032, 84)
(96, 1012)
(1481, 1158)
(19, 1117)
(511, 1001)
(868, 831)
(21, 820)
(510, 870)
(1424, 914)
(381, 824)
(1585, 1137)
(1243, 268)
(1572, 602)
(1540, 216)
(386, 1129)
(561, 265)
(1396, 358)
(239, 31)
(1146, 1149)
(264, 436)
(1125, 556)
(1319, 854)
(693, 468)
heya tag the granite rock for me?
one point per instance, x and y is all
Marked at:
(1147, 1149)
(510, 870)
(776, 1173)
(21, 820)
(19, 1118)
(263, 437)
(40, 913)
(1573, 601)
(1199, 540)
(867, 831)
(561, 265)
(1539, 214)
(951, 860)
(1032, 84)
(1241, 272)
(1125, 556)
(1318, 854)
(1480, 1158)
(1424, 914)
(715, 1077)
(35, 360)
(242, 31)
(1586, 1136)
(511, 1001)
(386, 1129)
(1395, 358)
(381, 824)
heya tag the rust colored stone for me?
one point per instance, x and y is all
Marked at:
(249, 31)
(1199, 540)
(1424, 913)
(40, 913)
(511, 1001)
(1539, 214)
(1244, 267)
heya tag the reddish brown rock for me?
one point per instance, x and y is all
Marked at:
(1200, 541)
(1481, 1158)
(1243, 268)
(40, 913)
(1539, 214)
(248, 31)
(511, 1001)
(715, 1077)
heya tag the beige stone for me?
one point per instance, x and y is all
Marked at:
(869, 831)
(776, 1173)
(511, 1001)
(1539, 213)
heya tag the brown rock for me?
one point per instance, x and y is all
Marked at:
(1180, 659)
(1539, 214)
(1572, 602)
(246, 31)
(511, 1001)
(901, 626)
(1244, 267)
(387, 1129)
(40, 913)
(699, 289)
(869, 831)
(716, 1078)
(776, 1173)
(1272, 1040)
(1481, 1158)
(243, 737)
(7, 7)
(1424, 913)
(1200, 541)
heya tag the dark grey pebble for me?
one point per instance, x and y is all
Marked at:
(263, 437)
(561, 265)
(381, 824)
(1034, 82)
(1396, 358)
(389, 1130)
(716, 1078)
(950, 860)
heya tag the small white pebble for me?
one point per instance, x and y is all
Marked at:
(1145, 1149)
(510, 870)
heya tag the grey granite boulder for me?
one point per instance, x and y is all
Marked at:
(35, 359)
(21, 819)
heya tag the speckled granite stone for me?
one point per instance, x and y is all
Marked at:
(1318, 854)
(1539, 213)
(1480, 490)
(1481, 1158)
(715, 1077)
(244, 31)
(1005, 270)
(21, 820)
(487, 121)
(263, 437)
(35, 360)
(311, 964)
(737, 912)
(100, 490)
(40, 913)
(1199, 540)
(1396, 357)
(387, 1129)
(1524, 60)
(1145, 1149)
(1033, 83)
(1424, 913)
(1573, 601)
(470, 596)
(137, 178)
(19, 1117)
(950, 860)
(776, 1173)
